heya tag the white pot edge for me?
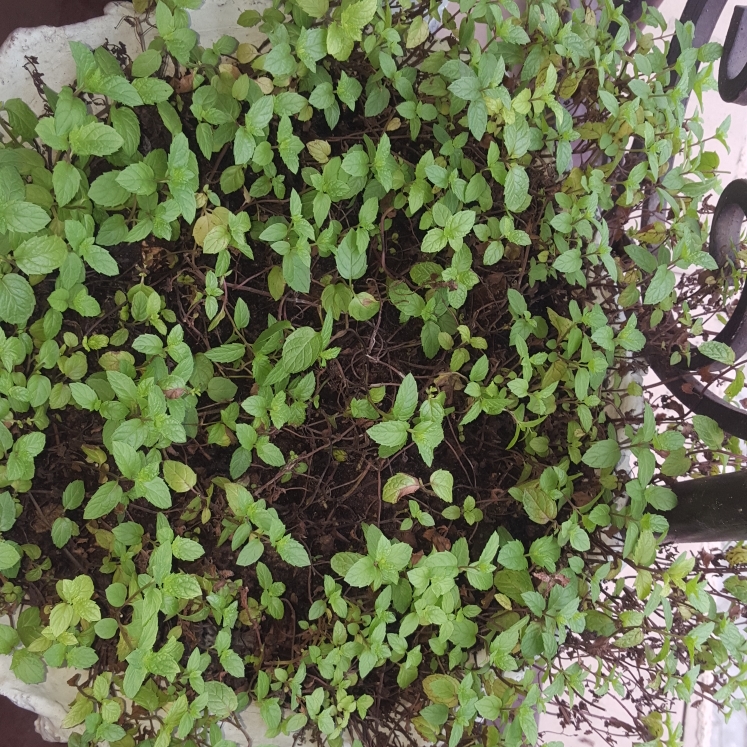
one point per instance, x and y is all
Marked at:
(50, 43)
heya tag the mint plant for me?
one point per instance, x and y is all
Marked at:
(316, 363)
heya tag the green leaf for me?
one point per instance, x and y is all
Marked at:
(609, 101)
(363, 307)
(459, 225)
(442, 484)
(362, 573)
(222, 700)
(16, 299)
(602, 454)
(106, 628)
(182, 586)
(517, 138)
(489, 707)
(279, 61)
(398, 486)
(545, 552)
(251, 553)
(28, 667)
(152, 90)
(579, 538)
(511, 556)
(738, 587)
(9, 639)
(569, 261)
(355, 16)
(100, 260)
(516, 189)
(129, 533)
(717, 351)
(123, 386)
(229, 353)
(82, 657)
(103, 501)
(467, 87)
(477, 118)
(289, 145)
(138, 178)
(661, 285)
(95, 139)
(221, 390)
(442, 688)
(40, 254)
(528, 721)
(9, 556)
(179, 477)
(314, 8)
(106, 191)
(660, 498)
(708, 431)
(348, 90)
(128, 459)
(427, 435)
(65, 181)
(269, 453)
(406, 400)
(22, 118)
(84, 395)
(146, 63)
(643, 258)
(293, 552)
(392, 434)
(126, 123)
(339, 43)
(7, 511)
(112, 231)
(676, 464)
(232, 663)
(24, 217)
(377, 100)
(434, 241)
(156, 492)
(632, 638)
(241, 314)
(356, 163)
(301, 349)
(29, 625)
(640, 88)
(631, 338)
(62, 531)
(539, 506)
(186, 549)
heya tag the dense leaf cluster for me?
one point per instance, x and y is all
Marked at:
(386, 262)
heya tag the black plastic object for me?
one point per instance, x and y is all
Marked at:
(693, 394)
(710, 509)
(731, 210)
(732, 73)
(704, 14)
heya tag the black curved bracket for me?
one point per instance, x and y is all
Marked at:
(704, 14)
(731, 211)
(732, 74)
(690, 391)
